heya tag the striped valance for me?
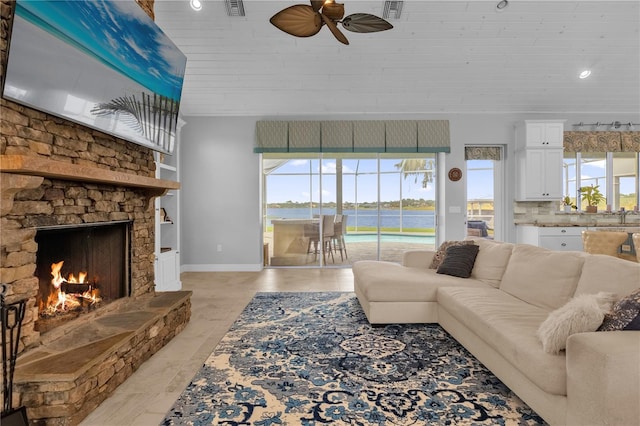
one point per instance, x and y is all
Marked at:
(482, 153)
(608, 141)
(402, 136)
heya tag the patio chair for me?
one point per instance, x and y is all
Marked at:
(313, 233)
(339, 231)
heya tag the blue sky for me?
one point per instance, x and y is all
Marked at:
(119, 34)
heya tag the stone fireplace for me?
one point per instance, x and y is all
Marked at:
(62, 187)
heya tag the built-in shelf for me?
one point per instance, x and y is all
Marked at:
(168, 231)
(166, 167)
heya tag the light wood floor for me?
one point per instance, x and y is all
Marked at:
(218, 298)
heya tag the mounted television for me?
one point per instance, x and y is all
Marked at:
(101, 63)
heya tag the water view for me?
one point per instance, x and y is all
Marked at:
(365, 219)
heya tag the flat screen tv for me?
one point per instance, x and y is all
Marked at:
(101, 63)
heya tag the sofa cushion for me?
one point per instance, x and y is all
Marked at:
(491, 261)
(459, 261)
(607, 273)
(544, 278)
(508, 325)
(390, 282)
(581, 314)
(442, 251)
(625, 314)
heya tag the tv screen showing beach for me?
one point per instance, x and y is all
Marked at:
(104, 64)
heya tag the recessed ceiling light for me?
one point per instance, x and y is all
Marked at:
(502, 4)
(585, 74)
(196, 5)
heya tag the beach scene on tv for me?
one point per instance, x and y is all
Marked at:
(104, 64)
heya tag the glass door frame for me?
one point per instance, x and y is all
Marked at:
(499, 192)
(321, 184)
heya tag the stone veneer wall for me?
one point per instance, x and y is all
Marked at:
(25, 131)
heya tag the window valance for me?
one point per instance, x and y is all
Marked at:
(482, 153)
(402, 136)
(608, 141)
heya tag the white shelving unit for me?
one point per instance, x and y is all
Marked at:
(167, 229)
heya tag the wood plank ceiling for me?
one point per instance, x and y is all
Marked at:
(441, 56)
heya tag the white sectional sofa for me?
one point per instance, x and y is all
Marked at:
(496, 313)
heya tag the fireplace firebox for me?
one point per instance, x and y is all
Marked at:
(80, 268)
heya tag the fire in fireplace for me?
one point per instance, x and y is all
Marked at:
(69, 293)
(80, 268)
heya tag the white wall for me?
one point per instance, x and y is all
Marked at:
(221, 180)
(220, 195)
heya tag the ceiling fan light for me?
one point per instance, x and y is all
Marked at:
(196, 5)
(333, 11)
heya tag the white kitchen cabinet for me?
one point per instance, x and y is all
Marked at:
(539, 175)
(565, 238)
(167, 229)
(540, 134)
(539, 156)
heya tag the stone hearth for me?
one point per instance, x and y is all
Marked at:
(66, 378)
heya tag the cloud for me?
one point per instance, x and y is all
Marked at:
(298, 163)
(131, 43)
(329, 168)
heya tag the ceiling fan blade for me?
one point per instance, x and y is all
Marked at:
(317, 4)
(334, 30)
(365, 23)
(299, 20)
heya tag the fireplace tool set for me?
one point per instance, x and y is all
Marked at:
(11, 315)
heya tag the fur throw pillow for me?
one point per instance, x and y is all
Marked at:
(581, 314)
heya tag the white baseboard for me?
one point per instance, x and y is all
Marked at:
(243, 267)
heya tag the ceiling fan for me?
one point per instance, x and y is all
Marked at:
(303, 20)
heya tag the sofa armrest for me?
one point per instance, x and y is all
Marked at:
(417, 258)
(603, 378)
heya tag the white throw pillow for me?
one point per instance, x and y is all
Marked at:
(583, 313)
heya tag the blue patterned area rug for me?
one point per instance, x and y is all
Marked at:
(313, 359)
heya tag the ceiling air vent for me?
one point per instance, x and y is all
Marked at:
(392, 9)
(234, 7)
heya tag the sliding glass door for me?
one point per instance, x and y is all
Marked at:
(379, 206)
(407, 208)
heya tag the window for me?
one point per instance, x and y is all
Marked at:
(387, 202)
(615, 173)
(625, 180)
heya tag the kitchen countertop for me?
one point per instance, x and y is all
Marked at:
(628, 227)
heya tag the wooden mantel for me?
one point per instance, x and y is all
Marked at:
(39, 166)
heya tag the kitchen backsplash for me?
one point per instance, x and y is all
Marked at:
(550, 212)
